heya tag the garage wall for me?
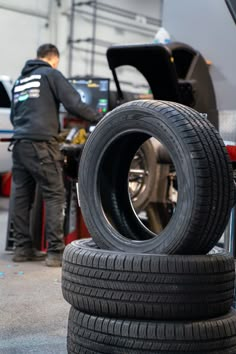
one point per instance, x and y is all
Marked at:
(207, 26)
(29, 23)
(21, 33)
(122, 27)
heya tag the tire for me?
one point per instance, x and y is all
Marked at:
(204, 173)
(96, 335)
(116, 284)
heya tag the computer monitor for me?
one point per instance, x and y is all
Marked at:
(94, 92)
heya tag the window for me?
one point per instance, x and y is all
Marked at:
(4, 98)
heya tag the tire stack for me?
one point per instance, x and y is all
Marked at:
(132, 291)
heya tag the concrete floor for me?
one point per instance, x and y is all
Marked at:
(33, 313)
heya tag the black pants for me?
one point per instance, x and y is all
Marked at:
(38, 163)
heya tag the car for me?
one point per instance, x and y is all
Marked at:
(6, 129)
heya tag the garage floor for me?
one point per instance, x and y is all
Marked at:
(33, 313)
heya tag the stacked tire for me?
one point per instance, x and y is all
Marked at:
(130, 290)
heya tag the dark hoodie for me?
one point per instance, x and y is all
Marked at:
(36, 96)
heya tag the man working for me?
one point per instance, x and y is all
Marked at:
(36, 96)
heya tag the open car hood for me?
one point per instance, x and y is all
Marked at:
(161, 65)
(175, 72)
(153, 61)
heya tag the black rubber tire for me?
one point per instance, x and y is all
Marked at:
(204, 174)
(148, 152)
(147, 286)
(97, 335)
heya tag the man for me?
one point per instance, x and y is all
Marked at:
(36, 96)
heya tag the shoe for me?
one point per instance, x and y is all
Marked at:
(54, 259)
(22, 254)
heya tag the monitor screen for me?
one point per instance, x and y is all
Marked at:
(94, 92)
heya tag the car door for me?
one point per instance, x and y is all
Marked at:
(6, 129)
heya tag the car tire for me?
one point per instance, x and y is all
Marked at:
(204, 174)
(97, 335)
(147, 286)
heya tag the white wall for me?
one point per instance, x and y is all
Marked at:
(22, 33)
(207, 26)
(108, 28)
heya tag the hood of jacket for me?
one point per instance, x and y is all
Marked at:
(31, 65)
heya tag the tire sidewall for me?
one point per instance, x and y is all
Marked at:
(116, 124)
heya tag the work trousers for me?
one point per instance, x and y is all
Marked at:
(38, 163)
